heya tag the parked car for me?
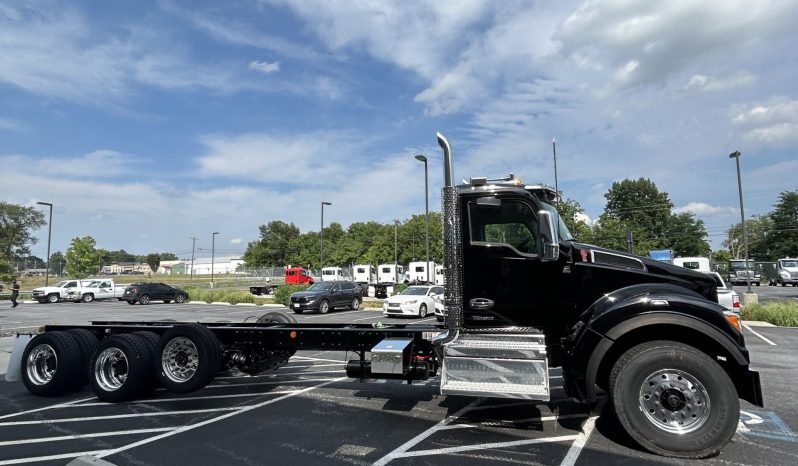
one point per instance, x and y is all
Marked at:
(727, 297)
(323, 296)
(144, 293)
(417, 300)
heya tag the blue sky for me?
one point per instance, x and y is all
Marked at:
(147, 123)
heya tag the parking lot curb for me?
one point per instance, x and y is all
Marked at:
(246, 304)
(758, 323)
(196, 302)
(219, 303)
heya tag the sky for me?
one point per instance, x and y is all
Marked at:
(147, 123)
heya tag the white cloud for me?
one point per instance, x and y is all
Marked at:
(700, 82)
(264, 66)
(96, 164)
(235, 241)
(641, 42)
(706, 210)
(775, 123)
(7, 124)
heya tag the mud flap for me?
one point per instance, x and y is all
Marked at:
(15, 363)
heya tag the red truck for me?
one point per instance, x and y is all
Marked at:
(291, 275)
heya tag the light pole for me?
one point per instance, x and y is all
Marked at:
(321, 236)
(49, 235)
(422, 158)
(736, 156)
(213, 253)
(193, 242)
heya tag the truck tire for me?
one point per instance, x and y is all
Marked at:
(674, 400)
(87, 298)
(187, 358)
(355, 304)
(51, 364)
(87, 342)
(277, 359)
(53, 298)
(324, 306)
(121, 368)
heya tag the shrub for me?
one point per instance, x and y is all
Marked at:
(223, 296)
(284, 292)
(783, 313)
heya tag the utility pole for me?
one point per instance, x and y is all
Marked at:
(49, 235)
(736, 156)
(193, 243)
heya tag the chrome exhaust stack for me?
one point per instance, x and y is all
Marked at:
(452, 245)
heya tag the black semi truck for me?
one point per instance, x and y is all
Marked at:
(520, 295)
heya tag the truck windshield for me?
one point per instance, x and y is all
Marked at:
(740, 265)
(60, 284)
(565, 233)
(789, 263)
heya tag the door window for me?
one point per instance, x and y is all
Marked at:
(512, 223)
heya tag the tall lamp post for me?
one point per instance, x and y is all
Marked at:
(422, 158)
(321, 236)
(213, 253)
(49, 235)
(736, 156)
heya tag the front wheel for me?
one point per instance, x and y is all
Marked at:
(145, 299)
(355, 303)
(674, 400)
(422, 310)
(324, 306)
(180, 298)
(53, 298)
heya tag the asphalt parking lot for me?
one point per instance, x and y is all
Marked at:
(308, 413)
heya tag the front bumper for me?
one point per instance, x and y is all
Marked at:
(311, 306)
(400, 310)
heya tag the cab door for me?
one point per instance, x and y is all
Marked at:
(104, 291)
(505, 281)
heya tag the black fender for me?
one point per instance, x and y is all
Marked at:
(636, 308)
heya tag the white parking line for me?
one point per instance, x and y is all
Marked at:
(187, 398)
(275, 374)
(62, 456)
(760, 336)
(486, 446)
(555, 417)
(333, 313)
(579, 443)
(276, 382)
(80, 436)
(55, 406)
(113, 416)
(210, 421)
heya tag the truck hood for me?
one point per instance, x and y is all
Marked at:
(48, 289)
(661, 272)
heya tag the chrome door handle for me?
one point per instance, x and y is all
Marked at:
(481, 303)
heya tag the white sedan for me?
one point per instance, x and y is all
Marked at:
(414, 301)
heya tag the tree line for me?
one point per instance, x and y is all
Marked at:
(771, 236)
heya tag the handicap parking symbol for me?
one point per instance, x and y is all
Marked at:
(765, 424)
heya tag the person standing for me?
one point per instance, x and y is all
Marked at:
(14, 293)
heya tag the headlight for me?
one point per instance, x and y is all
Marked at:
(411, 302)
(785, 274)
(384, 306)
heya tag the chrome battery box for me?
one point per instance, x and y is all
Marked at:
(391, 356)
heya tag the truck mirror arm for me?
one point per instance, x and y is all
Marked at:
(548, 237)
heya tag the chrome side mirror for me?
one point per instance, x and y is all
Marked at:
(550, 246)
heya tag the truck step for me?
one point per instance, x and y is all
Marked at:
(502, 346)
(499, 378)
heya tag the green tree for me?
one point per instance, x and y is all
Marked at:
(16, 226)
(168, 256)
(641, 207)
(153, 260)
(757, 229)
(569, 210)
(57, 261)
(273, 247)
(783, 235)
(82, 258)
(686, 236)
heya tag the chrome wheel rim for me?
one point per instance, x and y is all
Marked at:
(144, 299)
(180, 359)
(355, 303)
(111, 369)
(179, 298)
(42, 364)
(324, 307)
(674, 401)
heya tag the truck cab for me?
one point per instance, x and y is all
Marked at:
(421, 272)
(331, 274)
(297, 276)
(738, 272)
(787, 270)
(364, 274)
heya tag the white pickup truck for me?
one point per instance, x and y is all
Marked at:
(78, 291)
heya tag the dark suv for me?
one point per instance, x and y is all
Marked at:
(323, 296)
(145, 292)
